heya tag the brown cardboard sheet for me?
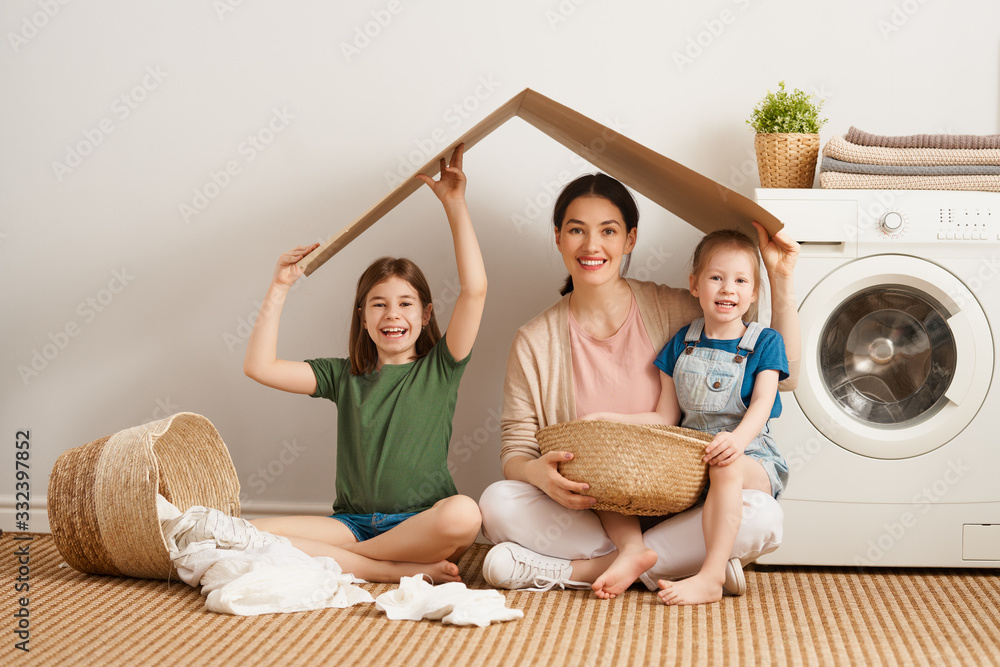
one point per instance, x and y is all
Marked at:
(687, 194)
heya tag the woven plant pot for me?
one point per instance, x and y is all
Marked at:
(102, 496)
(646, 470)
(786, 160)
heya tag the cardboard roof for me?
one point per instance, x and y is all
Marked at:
(692, 197)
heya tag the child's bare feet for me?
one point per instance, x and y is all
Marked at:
(699, 589)
(630, 563)
(440, 572)
(392, 571)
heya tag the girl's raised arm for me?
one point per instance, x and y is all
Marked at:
(261, 362)
(464, 324)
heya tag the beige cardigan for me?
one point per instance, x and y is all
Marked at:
(538, 388)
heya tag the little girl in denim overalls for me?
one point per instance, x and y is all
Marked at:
(718, 375)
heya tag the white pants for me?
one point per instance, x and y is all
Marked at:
(522, 513)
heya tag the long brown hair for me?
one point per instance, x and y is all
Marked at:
(362, 351)
(737, 240)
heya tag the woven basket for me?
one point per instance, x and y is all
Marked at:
(786, 160)
(631, 469)
(102, 496)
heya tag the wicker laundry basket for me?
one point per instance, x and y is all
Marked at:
(648, 470)
(786, 160)
(102, 496)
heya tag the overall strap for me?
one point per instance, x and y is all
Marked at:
(694, 331)
(693, 335)
(749, 340)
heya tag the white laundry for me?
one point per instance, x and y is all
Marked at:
(245, 571)
(415, 599)
(275, 585)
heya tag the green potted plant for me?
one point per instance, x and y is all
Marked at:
(787, 140)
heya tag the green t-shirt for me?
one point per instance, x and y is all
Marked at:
(393, 430)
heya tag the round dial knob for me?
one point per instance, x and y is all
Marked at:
(892, 222)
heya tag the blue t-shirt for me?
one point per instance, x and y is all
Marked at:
(768, 354)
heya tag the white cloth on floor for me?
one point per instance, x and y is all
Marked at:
(246, 571)
(415, 599)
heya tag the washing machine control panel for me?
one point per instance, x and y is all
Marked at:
(959, 229)
(892, 223)
(857, 223)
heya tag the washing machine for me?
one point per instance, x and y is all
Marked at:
(893, 435)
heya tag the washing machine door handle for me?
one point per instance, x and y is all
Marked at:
(965, 344)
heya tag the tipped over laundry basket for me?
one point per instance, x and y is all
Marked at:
(102, 495)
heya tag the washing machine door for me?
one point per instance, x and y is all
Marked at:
(897, 356)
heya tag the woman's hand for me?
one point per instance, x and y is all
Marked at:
(723, 450)
(779, 252)
(544, 473)
(451, 184)
(287, 271)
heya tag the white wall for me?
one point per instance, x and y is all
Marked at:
(118, 310)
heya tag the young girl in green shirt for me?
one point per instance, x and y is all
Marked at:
(397, 511)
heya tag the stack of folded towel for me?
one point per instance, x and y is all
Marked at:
(860, 160)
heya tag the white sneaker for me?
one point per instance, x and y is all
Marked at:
(509, 565)
(736, 583)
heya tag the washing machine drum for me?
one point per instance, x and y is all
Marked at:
(897, 356)
(887, 355)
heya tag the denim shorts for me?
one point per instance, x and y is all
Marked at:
(367, 526)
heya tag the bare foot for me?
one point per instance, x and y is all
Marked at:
(630, 563)
(441, 572)
(390, 572)
(699, 589)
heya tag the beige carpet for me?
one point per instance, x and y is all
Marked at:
(789, 616)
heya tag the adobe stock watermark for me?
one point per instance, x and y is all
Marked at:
(223, 8)
(462, 451)
(87, 311)
(704, 39)
(562, 12)
(164, 408)
(930, 494)
(121, 108)
(454, 116)
(267, 474)
(898, 17)
(986, 271)
(540, 205)
(32, 24)
(366, 33)
(244, 325)
(246, 152)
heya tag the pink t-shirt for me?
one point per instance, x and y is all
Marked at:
(615, 374)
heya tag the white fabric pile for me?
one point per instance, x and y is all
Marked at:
(246, 572)
(415, 599)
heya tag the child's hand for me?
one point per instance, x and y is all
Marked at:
(287, 271)
(451, 184)
(593, 416)
(723, 450)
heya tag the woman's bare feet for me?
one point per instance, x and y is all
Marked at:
(630, 563)
(699, 589)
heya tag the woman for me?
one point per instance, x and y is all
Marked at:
(593, 352)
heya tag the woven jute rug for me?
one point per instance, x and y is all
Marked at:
(789, 616)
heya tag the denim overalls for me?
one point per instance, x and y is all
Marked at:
(708, 383)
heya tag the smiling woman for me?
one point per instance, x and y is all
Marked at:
(593, 351)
